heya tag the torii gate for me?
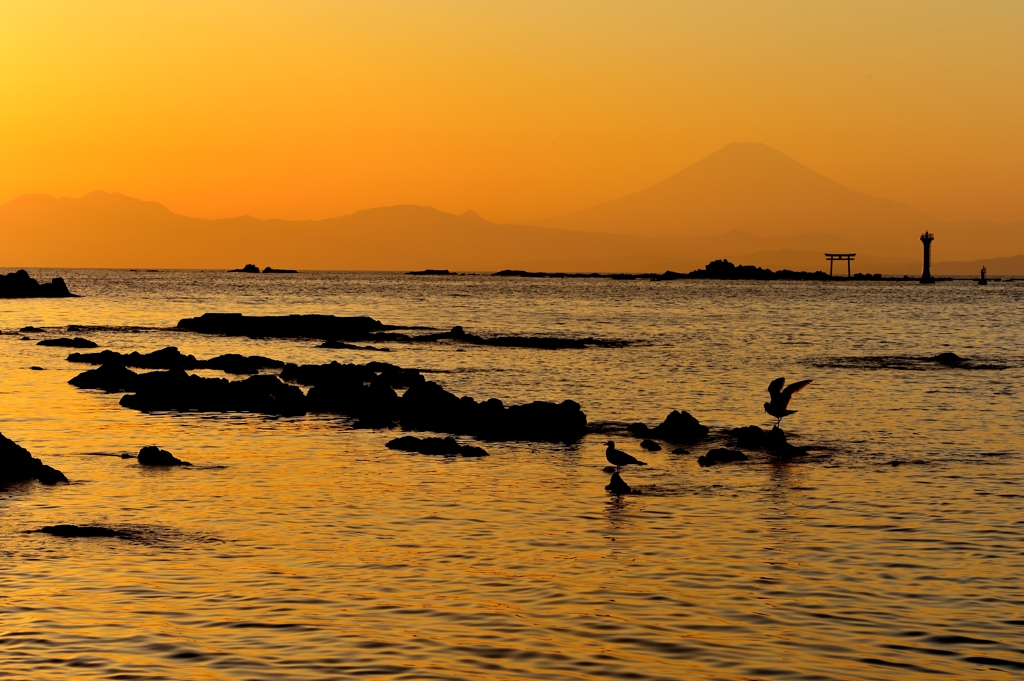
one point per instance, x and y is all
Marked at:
(832, 257)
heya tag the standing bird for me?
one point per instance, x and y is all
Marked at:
(781, 397)
(617, 457)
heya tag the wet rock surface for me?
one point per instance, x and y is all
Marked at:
(68, 343)
(446, 446)
(154, 456)
(719, 456)
(20, 285)
(679, 427)
(18, 465)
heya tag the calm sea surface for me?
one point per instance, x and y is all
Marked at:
(299, 548)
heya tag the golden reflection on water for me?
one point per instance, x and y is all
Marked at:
(299, 548)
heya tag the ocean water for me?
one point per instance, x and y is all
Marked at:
(299, 548)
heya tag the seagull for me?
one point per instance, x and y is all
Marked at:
(781, 397)
(617, 457)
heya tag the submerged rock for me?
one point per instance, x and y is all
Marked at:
(154, 456)
(717, 456)
(950, 359)
(446, 446)
(20, 285)
(74, 531)
(18, 465)
(318, 326)
(650, 445)
(31, 329)
(68, 343)
(679, 427)
(271, 270)
(459, 334)
(341, 345)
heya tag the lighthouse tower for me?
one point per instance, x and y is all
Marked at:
(926, 274)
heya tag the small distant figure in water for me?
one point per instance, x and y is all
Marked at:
(781, 397)
(617, 457)
(983, 281)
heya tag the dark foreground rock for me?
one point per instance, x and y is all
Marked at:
(68, 343)
(773, 441)
(679, 427)
(73, 531)
(20, 285)
(154, 456)
(446, 446)
(717, 456)
(17, 465)
(177, 390)
(317, 326)
(172, 358)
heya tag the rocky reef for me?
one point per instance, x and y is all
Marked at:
(679, 427)
(81, 343)
(441, 446)
(154, 456)
(20, 285)
(171, 358)
(18, 465)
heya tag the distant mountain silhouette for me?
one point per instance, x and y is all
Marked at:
(750, 187)
(746, 202)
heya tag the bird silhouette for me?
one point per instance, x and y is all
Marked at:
(617, 457)
(781, 397)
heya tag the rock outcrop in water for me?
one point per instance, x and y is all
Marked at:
(459, 334)
(76, 342)
(717, 456)
(18, 465)
(723, 269)
(177, 390)
(80, 531)
(111, 378)
(618, 486)
(172, 358)
(154, 456)
(773, 441)
(679, 427)
(20, 285)
(271, 270)
(442, 446)
(248, 269)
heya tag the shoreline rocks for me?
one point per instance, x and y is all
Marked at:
(20, 285)
(18, 465)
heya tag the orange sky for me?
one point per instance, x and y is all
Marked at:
(517, 110)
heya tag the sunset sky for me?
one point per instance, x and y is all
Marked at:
(518, 110)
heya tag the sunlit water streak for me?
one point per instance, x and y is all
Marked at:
(300, 548)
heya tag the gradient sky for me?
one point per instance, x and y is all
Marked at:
(515, 109)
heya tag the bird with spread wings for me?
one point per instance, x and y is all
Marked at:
(779, 405)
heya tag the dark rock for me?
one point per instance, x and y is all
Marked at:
(679, 427)
(125, 455)
(31, 329)
(949, 359)
(239, 364)
(618, 486)
(154, 456)
(341, 345)
(73, 531)
(250, 269)
(111, 378)
(680, 450)
(20, 285)
(271, 270)
(68, 343)
(749, 437)
(717, 456)
(321, 327)
(651, 446)
(430, 272)
(17, 465)
(176, 390)
(723, 269)
(167, 358)
(36, 368)
(775, 443)
(446, 446)
(25, 338)
(459, 334)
